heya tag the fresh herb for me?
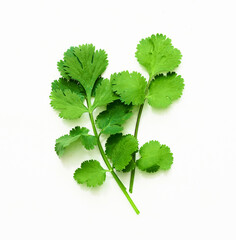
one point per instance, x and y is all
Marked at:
(82, 89)
(71, 95)
(157, 55)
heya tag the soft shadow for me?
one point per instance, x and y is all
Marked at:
(82, 121)
(75, 154)
(164, 110)
(154, 175)
(92, 190)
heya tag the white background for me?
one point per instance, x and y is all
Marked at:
(195, 199)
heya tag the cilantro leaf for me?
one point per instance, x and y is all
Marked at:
(120, 148)
(68, 103)
(64, 84)
(96, 84)
(61, 69)
(154, 156)
(90, 173)
(129, 167)
(103, 94)
(164, 90)
(89, 141)
(84, 64)
(157, 54)
(130, 87)
(110, 120)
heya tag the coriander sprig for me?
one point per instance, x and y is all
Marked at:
(157, 55)
(81, 71)
(82, 89)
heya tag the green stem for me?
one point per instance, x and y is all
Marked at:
(120, 184)
(131, 184)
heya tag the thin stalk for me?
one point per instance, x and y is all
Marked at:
(131, 184)
(118, 181)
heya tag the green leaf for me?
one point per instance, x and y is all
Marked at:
(157, 54)
(61, 69)
(110, 120)
(130, 87)
(64, 84)
(120, 148)
(154, 156)
(103, 94)
(75, 134)
(164, 90)
(96, 84)
(129, 167)
(90, 173)
(85, 65)
(89, 141)
(68, 103)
